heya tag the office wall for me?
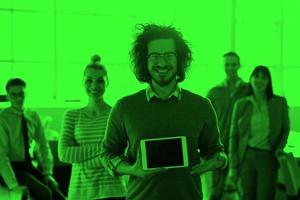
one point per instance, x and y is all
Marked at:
(49, 42)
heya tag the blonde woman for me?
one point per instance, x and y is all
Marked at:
(81, 139)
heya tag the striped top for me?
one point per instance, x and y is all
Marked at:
(80, 144)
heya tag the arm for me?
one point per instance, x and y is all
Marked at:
(285, 129)
(6, 170)
(114, 143)
(69, 151)
(210, 144)
(92, 163)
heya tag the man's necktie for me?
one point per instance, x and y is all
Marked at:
(26, 138)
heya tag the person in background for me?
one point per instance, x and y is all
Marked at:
(259, 131)
(81, 141)
(19, 128)
(223, 96)
(161, 57)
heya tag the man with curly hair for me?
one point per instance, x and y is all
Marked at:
(160, 58)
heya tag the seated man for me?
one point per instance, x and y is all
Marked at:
(19, 127)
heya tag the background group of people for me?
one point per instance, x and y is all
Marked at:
(245, 121)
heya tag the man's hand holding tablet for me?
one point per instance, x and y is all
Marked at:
(138, 171)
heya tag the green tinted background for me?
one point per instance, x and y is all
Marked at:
(49, 42)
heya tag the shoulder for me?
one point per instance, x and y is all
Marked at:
(278, 100)
(73, 113)
(195, 98)
(216, 89)
(243, 101)
(131, 99)
(137, 95)
(4, 113)
(243, 83)
(30, 112)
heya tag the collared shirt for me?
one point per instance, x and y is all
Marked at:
(12, 144)
(259, 126)
(237, 85)
(150, 93)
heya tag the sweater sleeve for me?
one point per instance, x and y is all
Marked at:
(209, 140)
(69, 151)
(115, 140)
(92, 163)
(211, 96)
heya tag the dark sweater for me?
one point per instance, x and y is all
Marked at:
(134, 118)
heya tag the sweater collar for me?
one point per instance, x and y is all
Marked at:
(176, 93)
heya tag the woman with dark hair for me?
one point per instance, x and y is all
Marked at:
(259, 131)
(81, 141)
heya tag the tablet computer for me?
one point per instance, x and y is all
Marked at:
(168, 152)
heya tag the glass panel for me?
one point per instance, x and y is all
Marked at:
(6, 36)
(291, 10)
(291, 44)
(5, 4)
(291, 82)
(33, 37)
(5, 75)
(80, 36)
(70, 83)
(208, 32)
(119, 8)
(258, 43)
(40, 82)
(257, 10)
(122, 82)
(36, 5)
(202, 78)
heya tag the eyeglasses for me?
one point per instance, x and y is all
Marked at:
(17, 94)
(155, 57)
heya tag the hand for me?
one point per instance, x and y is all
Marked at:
(231, 180)
(279, 152)
(21, 189)
(205, 165)
(137, 169)
(50, 181)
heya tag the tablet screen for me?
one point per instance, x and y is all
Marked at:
(164, 153)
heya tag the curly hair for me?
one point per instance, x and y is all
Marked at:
(139, 50)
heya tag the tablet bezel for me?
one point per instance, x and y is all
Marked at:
(184, 152)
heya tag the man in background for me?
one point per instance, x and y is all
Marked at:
(223, 97)
(19, 127)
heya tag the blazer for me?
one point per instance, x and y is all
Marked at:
(241, 124)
